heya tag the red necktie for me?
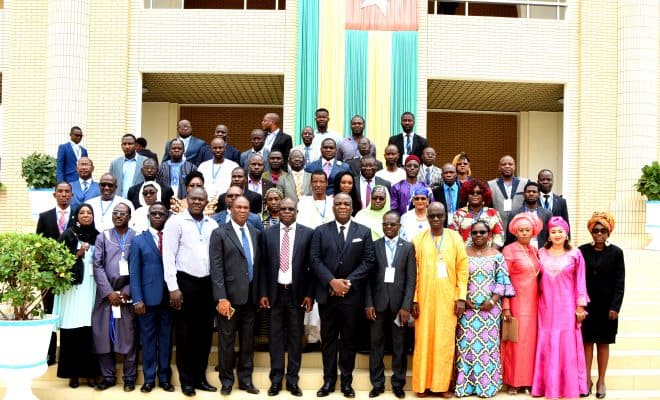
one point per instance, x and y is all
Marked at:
(61, 222)
(160, 242)
(284, 251)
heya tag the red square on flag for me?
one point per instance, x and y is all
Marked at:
(381, 15)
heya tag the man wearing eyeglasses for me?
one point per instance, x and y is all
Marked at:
(106, 202)
(68, 155)
(388, 302)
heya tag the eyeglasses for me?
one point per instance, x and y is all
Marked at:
(475, 193)
(119, 213)
(287, 209)
(149, 193)
(596, 231)
(475, 233)
(157, 214)
(390, 224)
(435, 216)
(419, 198)
(106, 184)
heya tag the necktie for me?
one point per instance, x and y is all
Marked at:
(326, 169)
(85, 186)
(546, 204)
(248, 255)
(298, 179)
(307, 155)
(61, 222)
(428, 175)
(284, 251)
(450, 199)
(408, 144)
(160, 242)
(367, 199)
(342, 240)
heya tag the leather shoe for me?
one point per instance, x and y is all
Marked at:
(294, 390)
(225, 390)
(166, 386)
(104, 384)
(348, 391)
(188, 390)
(147, 387)
(206, 387)
(249, 388)
(399, 393)
(129, 386)
(74, 383)
(325, 390)
(376, 391)
(274, 389)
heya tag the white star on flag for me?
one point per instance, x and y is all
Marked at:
(381, 4)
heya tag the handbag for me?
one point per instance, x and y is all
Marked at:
(510, 330)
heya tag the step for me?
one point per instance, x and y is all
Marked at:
(639, 324)
(631, 379)
(637, 359)
(641, 293)
(638, 341)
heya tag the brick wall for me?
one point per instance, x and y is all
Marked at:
(484, 137)
(240, 121)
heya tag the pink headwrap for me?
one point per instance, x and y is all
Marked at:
(525, 219)
(558, 222)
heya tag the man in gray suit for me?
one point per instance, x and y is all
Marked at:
(297, 182)
(389, 297)
(234, 252)
(127, 169)
(507, 189)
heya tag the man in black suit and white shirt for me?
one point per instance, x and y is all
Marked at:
(275, 138)
(367, 180)
(342, 257)
(449, 188)
(549, 200)
(234, 252)
(389, 297)
(285, 288)
(407, 141)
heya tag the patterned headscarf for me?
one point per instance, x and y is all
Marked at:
(558, 222)
(526, 219)
(274, 189)
(604, 218)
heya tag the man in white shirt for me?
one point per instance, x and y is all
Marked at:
(217, 172)
(392, 172)
(106, 202)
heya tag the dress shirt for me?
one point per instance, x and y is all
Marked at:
(76, 149)
(435, 175)
(390, 249)
(286, 278)
(314, 153)
(217, 177)
(407, 137)
(237, 230)
(154, 236)
(549, 197)
(392, 177)
(347, 149)
(270, 139)
(67, 216)
(186, 247)
(451, 197)
(186, 142)
(363, 189)
(128, 173)
(83, 182)
(320, 137)
(347, 225)
(255, 187)
(298, 180)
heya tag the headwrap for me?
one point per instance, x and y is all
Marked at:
(374, 218)
(156, 186)
(274, 190)
(526, 219)
(422, 191)
(558, 222)
(413, 158)
(604, 218)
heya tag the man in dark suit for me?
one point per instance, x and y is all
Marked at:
(51, 224)
(408, 142)
(68, 155)
(141, 148)
(256, 182)
(275, 138)
(447, 192)
(286, 289)
(364, 150)
(231, 152)
(151, 300)
(84, 188)
(224, 216)
(531, 204)
(258, 140)
(194, 147)
(507, 189)
(239, 178)
(389, 297)
(150, 172)
(235, 259)
(549, 200)
(342, 257)
(328, 163)
(367, 179)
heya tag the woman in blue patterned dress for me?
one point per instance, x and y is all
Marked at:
(478, 367)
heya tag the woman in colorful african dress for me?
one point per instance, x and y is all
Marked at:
(478, 368)
(477, 196)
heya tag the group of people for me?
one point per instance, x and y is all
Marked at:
(318, 243)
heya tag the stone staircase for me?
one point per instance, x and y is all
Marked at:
(633, 372)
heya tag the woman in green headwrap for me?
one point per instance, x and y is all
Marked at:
(372, 217)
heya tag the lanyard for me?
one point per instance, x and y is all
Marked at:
(391, 246)
(325, 204)
(103, 212)
(215, 173)
(474, 219)
(438, 245)
(121, 240)
(200, 228)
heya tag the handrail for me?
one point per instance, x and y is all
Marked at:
(557, 4)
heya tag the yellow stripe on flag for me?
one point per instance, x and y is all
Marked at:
(332, 61)
(379, 76)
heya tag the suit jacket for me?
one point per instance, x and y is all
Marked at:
(47, 223)
(337, 167)
(288, 185)
(67, 162)
(559, 206)
(282, 143)
(116, 170)
(419, 143)
(231, 153)
(355, 166)
(354, 261)
(163, 177)
(254, 198)
(253, 220)
(499, 195)
(79, 197)
(439, 195)
(245, 158)
(134, 195)
(542, 237)
(196, 148)
(399, 294)
(377, 181)
(300, 272)
(145, 265)
(229, 268)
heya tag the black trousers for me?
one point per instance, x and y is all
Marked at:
(385, 321)
(194, 328)
(286, 330)
(339, 319)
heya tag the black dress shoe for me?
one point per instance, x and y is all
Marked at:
(188, 390)
(104, 384)
(225, 390)
(206, 387)
(399, 393)
(249, 388)
(274, 389)
(348, 391)
(294, 390)
(166, 386)
(325, 390)
(376, 391)
(147, 387)
(74, 383)
(129, 386)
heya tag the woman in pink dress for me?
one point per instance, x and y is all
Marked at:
(524, 267)
(560, 367)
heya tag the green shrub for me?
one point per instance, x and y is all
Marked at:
(39, 171)
(649, 183)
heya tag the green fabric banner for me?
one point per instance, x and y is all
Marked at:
(355, 83)
(404, 77)
(307, 71)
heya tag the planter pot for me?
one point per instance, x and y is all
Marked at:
(653, 224)
(23, 351)
(40, 201)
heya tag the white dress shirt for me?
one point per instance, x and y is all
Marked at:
(392, 177)
(347, 225)
(237, 230)
(286, 278)
(103, 211)
(217, 177)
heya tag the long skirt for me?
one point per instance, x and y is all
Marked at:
(77, 358)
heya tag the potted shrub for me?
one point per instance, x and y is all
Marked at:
(39, 172)
(30, 265)
(649, 186)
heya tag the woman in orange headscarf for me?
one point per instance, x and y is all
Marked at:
(605, 284)
(524, 267)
